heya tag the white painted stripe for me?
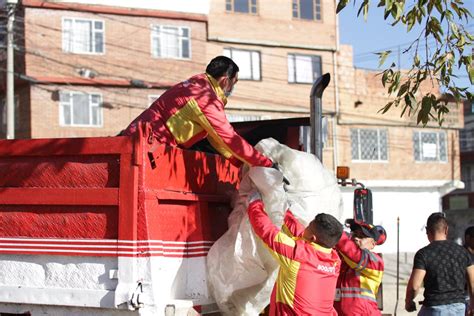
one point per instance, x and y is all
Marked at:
(103, 252)
(109, 241)
(103, 246)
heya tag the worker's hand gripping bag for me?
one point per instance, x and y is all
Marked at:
(241, 271)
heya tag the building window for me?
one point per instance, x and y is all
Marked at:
(170, 41)
(467, 176)
(430, 146)
(80, 109)
(248, 62)
(83, 36)
(241, 6)
(243, 118)
(466, 137)
(327, 124)
(369, 144)
(307, 9)
(303, 68)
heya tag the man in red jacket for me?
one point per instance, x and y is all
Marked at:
(361, 271)
(309, 266)
(194, 109)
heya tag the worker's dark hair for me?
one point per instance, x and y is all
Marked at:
(436, 223)
(327, 229)
(469, 232)
(222, 66)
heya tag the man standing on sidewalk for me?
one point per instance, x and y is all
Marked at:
(442, 267)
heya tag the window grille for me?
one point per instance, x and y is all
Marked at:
(369, 144)
(429, 146)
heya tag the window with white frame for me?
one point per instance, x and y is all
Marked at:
(326, 136)
(429, 146)
(83, 36)
(241, 6)
(369, 144)
(303, 68)
(170, 41)
(248, 62)
(243, 118)
(307, 9)
(80, 109)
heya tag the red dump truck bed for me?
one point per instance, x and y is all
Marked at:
(134, 218)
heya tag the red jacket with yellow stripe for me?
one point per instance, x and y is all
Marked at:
(359, 280)
(308, 272)
(193, 110)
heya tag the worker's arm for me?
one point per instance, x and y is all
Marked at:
(225, 140)
(366, 262)
(470, 287)
(291, 226)
(280, 244)
(413, 287)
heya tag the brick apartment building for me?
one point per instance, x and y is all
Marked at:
(459, 205)
(89, 67)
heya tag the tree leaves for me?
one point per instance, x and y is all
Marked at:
(437, 50)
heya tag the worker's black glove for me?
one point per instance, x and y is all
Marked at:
(277, 167)
(410, 306)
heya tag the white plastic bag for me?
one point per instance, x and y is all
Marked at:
(241, 271)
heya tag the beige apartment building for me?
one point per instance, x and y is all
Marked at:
(88, 67)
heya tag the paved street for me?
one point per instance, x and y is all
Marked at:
(390, 283)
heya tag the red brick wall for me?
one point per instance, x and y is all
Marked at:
(127, 48)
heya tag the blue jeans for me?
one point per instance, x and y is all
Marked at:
(455, 309)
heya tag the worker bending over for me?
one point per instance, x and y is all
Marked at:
(194, 109)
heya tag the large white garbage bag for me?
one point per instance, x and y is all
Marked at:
(241, 271)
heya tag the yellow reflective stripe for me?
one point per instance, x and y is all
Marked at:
(349, 262)
(286, 283)
(286, 230)
(371, 279)
(321, 248)
(217, 89)
(215, 140)
(284, 239)
(220, 147)
(184, 124)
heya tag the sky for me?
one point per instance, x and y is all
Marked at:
(376, 34)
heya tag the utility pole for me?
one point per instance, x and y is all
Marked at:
(11, 6)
